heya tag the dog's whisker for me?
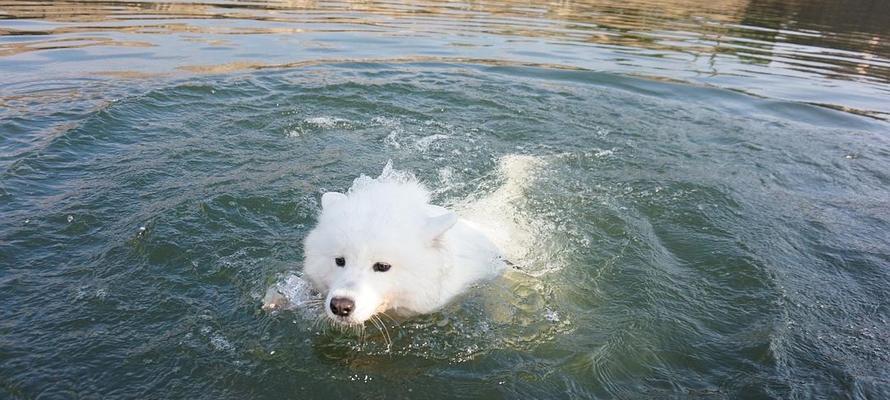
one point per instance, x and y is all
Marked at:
(388, 337)
(379, 328)
(328, 324)
(318, 322)
(375, 324)
(397, 324)
(354, 329)
(391, 319)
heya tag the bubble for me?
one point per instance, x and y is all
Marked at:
(551, 315)
(219, 342)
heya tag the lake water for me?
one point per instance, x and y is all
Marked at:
(702, 190)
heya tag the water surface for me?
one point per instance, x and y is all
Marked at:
(707, 194)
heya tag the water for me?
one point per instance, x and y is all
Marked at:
(701, 188)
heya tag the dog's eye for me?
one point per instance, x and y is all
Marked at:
(381, 267)
(340, 261)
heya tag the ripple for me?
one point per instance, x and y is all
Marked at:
(685, 240)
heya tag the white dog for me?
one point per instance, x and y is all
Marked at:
(382, 247)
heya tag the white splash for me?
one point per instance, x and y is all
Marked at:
(604, 153)
(326, 122)
(294, 133)
(386, 121)
(497, 214)
(423, 144)
(291, 292)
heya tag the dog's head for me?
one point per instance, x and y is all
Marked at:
(377, 248)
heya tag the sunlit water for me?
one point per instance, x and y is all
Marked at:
(696, 195)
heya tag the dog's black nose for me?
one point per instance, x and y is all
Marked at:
(342, 306)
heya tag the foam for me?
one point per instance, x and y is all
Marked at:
(423, 144)
(497, 214)
(220, 343)
(326, 122)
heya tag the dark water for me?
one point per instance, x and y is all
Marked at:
(708, 195)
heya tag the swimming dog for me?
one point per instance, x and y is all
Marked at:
(382, 247)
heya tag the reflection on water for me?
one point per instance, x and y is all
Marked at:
(833, 53)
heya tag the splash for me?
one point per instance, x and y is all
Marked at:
(326, 122)
(499, 214)
(389, 174)
(291, 292)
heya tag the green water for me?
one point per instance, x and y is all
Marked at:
(691, 240)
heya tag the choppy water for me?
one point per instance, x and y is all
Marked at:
(708, 195)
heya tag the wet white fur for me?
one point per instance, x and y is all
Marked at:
(435, 256)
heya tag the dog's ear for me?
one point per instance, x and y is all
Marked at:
(438, 225)
(328, 199)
